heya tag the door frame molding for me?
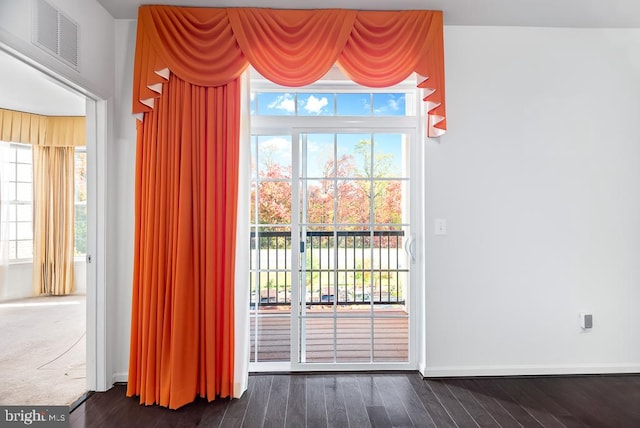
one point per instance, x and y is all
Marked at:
(97, 361)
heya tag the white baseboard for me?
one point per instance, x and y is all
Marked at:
(422, 368)
(533, 370)
(120, 377)
(528, 370)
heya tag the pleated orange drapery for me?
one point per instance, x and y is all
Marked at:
(186, 82)
(211, 47)
(182, 337)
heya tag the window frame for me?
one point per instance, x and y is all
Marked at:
(76, 203)
(14, 203)
(293, 125)
(334, 82)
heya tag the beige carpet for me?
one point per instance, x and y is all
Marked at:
(42, 350)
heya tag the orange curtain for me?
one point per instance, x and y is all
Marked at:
(211, 47)
(187, 65)
(182, 336)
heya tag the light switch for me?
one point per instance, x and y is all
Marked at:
(440, 226)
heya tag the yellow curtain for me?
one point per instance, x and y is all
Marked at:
(53, 220)
(53, 139)
(58, 131)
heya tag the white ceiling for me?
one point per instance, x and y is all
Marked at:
(536, 13)
(23, 88)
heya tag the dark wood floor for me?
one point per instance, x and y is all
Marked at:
(385, 400)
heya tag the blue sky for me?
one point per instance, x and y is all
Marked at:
(320, 147)
(328, 104)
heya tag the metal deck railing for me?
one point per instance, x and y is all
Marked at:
(337, 267)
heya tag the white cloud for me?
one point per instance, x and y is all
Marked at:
(275, 144)
(286, 102)
(316, 105)
(366, 106)
(393, 104)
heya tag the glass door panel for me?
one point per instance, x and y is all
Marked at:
(354, 270)
(329, 274)
(271, 264)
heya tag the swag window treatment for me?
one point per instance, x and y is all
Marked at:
(186, 82)
(211, 47)
(54, 139)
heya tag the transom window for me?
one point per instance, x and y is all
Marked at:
(271, 103)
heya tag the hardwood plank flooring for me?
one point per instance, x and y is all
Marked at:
(296, 410)
(356, 409)
(387, 400)
(277, 401)
(336, 403)
(502, 417)
(479, 414)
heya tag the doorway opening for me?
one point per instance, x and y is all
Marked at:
(46, 343)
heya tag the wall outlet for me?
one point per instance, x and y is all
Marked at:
(586, 320)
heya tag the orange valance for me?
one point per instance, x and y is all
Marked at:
(211, 47)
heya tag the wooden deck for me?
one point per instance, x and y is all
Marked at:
(353, 341)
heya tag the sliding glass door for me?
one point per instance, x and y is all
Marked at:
(329, 262)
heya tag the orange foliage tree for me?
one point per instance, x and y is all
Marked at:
(344, 192)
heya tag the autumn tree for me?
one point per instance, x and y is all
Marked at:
(274, 194)
(344, 191)
(335, 192)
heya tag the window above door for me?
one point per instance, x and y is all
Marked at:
(333, 95)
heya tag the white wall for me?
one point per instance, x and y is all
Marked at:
(19, 280)
(123, 151)
(95, 61)
(539, 180)
(24, 88)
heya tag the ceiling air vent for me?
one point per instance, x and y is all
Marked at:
(56, 33)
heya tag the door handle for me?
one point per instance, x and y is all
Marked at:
(410, 247)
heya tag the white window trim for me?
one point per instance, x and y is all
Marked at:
(291, 125)
(16, 202)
